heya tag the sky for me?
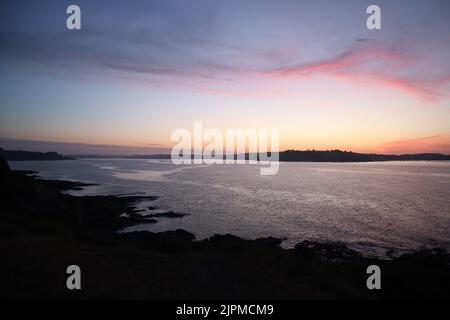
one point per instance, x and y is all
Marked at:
(138, 70)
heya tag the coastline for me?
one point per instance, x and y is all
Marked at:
(43, 230)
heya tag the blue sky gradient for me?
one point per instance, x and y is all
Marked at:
(137, 70)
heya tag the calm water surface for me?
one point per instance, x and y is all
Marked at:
(369, 206)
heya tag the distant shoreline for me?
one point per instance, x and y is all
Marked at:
(18, 155)
(335, 156)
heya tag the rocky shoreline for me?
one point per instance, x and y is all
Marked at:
(43, 230)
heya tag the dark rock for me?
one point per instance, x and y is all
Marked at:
(179, 235)
(225, 242)
(65, 185)
(4, 168)
(169, 214)
(10, 230)
(168, 241)
(305, 251)
(5, 177)
(326, 251)
(123, 222)
(427, 256)
(269, 241)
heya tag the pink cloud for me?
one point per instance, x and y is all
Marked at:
(431, 144)
(373, 64)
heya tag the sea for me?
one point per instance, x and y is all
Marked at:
(374, 208)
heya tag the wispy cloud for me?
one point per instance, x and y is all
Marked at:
(378, 64)
(437, 143)
(212, 67)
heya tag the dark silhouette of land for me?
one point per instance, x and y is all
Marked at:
(310, 156)
(345, 156)
(16, 155)
(284, 156)
(43, 231)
